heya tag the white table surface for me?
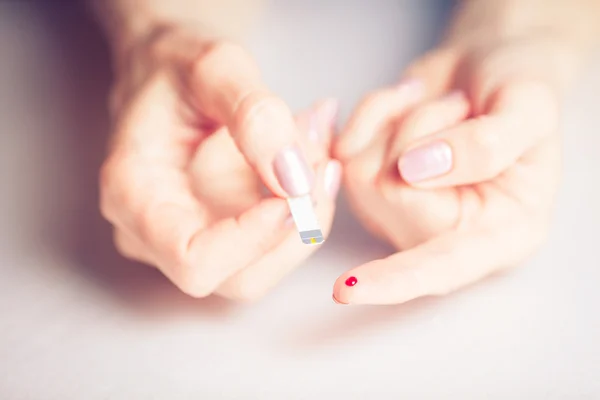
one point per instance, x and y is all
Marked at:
(79, 322)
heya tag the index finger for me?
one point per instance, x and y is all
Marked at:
(438, 267)
(373, 114)
(226, 84)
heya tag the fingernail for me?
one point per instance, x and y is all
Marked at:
(292, 171)
(322, 121)
(426, 162)
(313, 128)
(332, 178)
(328, 112)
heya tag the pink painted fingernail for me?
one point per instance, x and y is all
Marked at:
(426, 162)
(313, 128)
(329, 111)
(332, 178)
(292, 171)
(322, 120)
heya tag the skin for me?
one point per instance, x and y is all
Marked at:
(495, 102)
(183, 183)
(195, 137)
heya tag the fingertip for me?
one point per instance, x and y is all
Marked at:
(375, 113)
(376, 283)
(341, 296)
(267, 135)
(293, 171)
(328, 111)
(353, 287)
(425, 162)
(324, 122)
(336, 301)
(317, 125)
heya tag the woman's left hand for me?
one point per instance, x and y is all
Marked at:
(457, 167)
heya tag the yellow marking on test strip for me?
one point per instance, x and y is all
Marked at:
(313, 240)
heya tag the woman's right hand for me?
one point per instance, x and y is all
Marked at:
(196, 135)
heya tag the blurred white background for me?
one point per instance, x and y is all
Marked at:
(79, 322)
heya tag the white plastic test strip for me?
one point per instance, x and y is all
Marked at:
(305, 219)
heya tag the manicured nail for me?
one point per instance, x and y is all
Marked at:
(322, 120)
(351, 281)
(292, 171)
(426, 162)
(332, 178)
(313, 128)
(328, 112)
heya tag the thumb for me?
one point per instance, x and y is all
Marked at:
(227, 87)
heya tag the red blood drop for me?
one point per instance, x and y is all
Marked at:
(351, 281)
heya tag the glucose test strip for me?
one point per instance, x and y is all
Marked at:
(305, 219)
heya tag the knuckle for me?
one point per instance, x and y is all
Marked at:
(123, 246)
(178, 256)
(108, 181)
(252, 115)
(190, 273)
(146, 219)
(258, 105)
(158, 44)
(192, 282)
(221, 48)
(172, 241)
(247, 291)
(118, 181)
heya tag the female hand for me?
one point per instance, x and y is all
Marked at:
(196, 135)
(457, 166)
